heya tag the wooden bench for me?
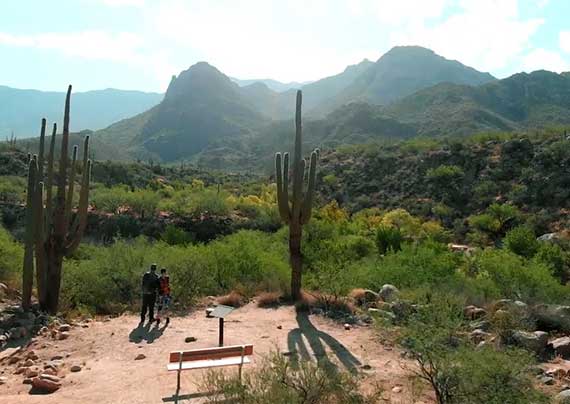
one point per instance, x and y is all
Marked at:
(236, 355)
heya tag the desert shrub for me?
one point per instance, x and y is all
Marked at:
(557, 260)
(278, 381)
(388, 239)
(512, 276)
(457, 372)
(269, 299)
(11, 257)
(176, 236)
(12, 189)
(522, 241)
(233, 299)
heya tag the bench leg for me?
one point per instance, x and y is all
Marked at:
(178, 383)
(240, 366)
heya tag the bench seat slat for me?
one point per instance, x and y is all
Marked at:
(208, 363)
(211, 353)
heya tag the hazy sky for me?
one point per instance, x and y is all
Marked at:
(140, 44)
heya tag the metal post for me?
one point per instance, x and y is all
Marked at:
(221, 342)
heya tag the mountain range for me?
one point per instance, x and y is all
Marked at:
(22, 110)
(410, 91)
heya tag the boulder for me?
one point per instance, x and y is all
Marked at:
(477, 336)
(473, 312)
(535, 342)
(46, 383)
(563, 397)
(561, 347)
(552, 317)
(388, 293)
(64, 328)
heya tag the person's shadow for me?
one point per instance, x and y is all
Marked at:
(146, 332)
(317, 340)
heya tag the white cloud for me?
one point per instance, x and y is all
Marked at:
(485, 34)
(86, 44)
(123, 3)
(542, 59)
(564, 40)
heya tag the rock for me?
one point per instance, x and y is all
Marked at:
(140, 357)
(563, 397)
(557, 373)
(279, 327)
(28, 363)
(548, 237)
(75, 368)
(27, 381)
(370, 296)
(64, 328)
(477, 336)
(50, 371)
(287, 353)
(62, 335)
(552, 317)
(3, 339)
(32, 355)
(547, 380)
(397, 389)
(561, 347)
(3, 380)
(383, 314)
(13, 359)
(209, 312)
(46, 383)
(366, 367)
(388, 293)
(473, 312)
(55, 365)
(20, 370)
(535, 342)
(347, 326)
(32, 372)
(57, 357)
(190, 339)
(483, 325)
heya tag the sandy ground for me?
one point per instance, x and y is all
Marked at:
(107, 350)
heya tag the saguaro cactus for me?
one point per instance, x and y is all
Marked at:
(295, 211)
(53, 231)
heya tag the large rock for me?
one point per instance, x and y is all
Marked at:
(535, 342)
(563, 397)
(388, 293)
(552, 317)
(46, 383)
(561, 347)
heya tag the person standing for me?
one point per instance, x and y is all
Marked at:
(163, 296)
(150, 287)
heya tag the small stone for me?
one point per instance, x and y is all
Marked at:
(209, 312)
(62, 335)
(57, 357)
(190, 339)
(50, 377)
(397, 389)
(3, 380)
(13, 359)
(287, 353)
(347, 326)
(28, 363)
(75, 368)
(140, 357)
(27, 381)
(50, 371)
(549, 381)
(64, 327)
(264, 336)
(366, 367)
(279, 327)
(20, 370)
(32, 372)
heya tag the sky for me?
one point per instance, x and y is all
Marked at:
(140, 44)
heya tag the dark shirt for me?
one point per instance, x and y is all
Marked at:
(150, 283)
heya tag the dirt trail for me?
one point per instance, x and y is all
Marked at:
(107, 350)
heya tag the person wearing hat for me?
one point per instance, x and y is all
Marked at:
(150, 287)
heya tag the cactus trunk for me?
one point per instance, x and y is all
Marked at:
(51, 231)
(296, 212)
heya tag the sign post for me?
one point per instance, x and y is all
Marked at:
(220, 312)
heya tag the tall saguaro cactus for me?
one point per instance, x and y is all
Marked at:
(295, 211)
(53, 231)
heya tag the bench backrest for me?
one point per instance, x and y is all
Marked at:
(211, 353)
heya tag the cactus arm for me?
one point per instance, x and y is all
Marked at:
(81, 219)
(41, 152)
(60, 225)
(71, 187)
(28, 265)
(49, 185)
(309, 194)
(282, 202)
(41, 257)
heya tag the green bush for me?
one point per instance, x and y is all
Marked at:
(11, 257)
(557, 259)
(522, 241)
(173, 235)
(388, 239)
(277, 381)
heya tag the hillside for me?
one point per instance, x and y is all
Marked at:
(534, 100)
(274, 85)
(22, 110)
(402, 71)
